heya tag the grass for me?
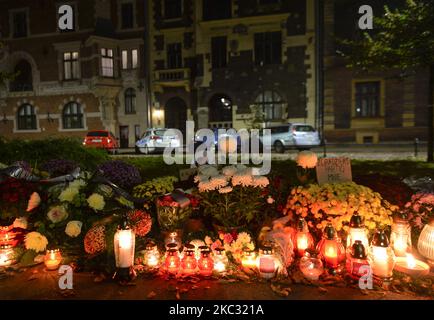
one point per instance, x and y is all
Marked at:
(151, 167)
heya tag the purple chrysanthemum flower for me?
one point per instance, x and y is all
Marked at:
(123, 174)
(58, 167)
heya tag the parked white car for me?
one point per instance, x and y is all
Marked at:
(156, 139)
(293, 135)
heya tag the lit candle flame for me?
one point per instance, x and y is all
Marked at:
(411, 262)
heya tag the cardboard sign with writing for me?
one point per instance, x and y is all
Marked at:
(333, 170)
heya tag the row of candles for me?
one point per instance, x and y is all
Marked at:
(382, 255)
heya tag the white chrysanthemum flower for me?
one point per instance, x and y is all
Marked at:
(68, 194)
(260, 181)
(226, 189)
(229, 171)
(219, 181)
(96, 202)
(307, 159)
(206, 186)
(244, 238)
(201, 178)
(79, 183)
(35, 241)
(208, 170)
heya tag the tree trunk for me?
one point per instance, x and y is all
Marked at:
(430, 156)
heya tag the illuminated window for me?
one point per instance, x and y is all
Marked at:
(107, 62)
(70, 65)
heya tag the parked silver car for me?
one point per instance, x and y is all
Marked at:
(293, 135)
(156, 139)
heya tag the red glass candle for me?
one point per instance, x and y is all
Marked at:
(189, 262)
(330, 248)
(206, 263)
(172, 262)
(303, 239)
(357, 261)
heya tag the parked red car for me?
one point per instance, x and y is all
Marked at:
(101, 139)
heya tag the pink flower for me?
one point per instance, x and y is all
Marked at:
(227, 238)
(216, 244)
(418, 222)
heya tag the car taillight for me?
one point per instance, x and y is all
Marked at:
(108, 140)
(153, 137)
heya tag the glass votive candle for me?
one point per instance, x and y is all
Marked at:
(311, 267)
(189, 263)
(152, 255)
(267, 262)
(52, 259)
(172, 261)
(206, 263)
(249, 259)
(220, 260)
(7, 255)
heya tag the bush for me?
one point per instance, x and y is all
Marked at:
(37, 152)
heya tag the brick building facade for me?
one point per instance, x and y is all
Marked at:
(92, 77)
(131, 64)
(368, 107)
(212, 61)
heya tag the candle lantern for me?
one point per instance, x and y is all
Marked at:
(197, 243)
(381, 256)
(400, 237)
(172, 262)
(330, 248)
(357, 231)
(356, 260)
(311, 267)
(425, 244)
(173, 237)
(52, 259)
(124, 245)
(152, 256)
(187, 247)
(206, 263)
(189, 262)
(411, 266)
(200, 250)
(303, 238)
(249, 259)
(267, 262)
(220, 260)
(7, 255)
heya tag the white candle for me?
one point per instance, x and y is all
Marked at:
(126, 257)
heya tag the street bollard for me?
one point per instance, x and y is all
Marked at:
(416, 147)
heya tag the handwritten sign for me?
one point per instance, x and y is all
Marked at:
(185, 174)
(333, 170)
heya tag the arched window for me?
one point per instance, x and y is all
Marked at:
(130, 101)
(23, 80)
(271, 104)
(72, 116)
(26, 117)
